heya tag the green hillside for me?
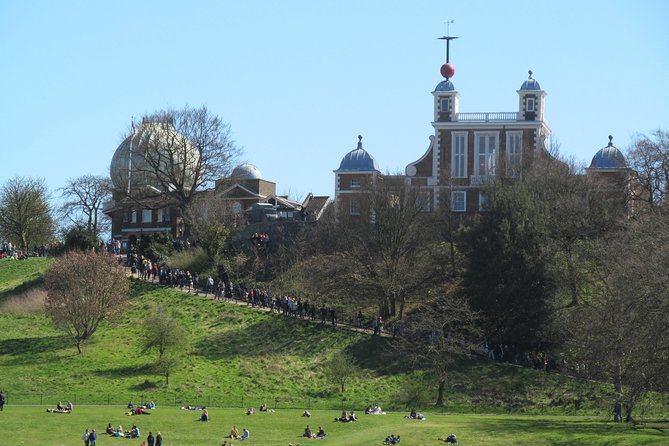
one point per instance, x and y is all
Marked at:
(243, 356)
(20, 273)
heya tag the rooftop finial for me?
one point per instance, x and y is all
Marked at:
(359, 141)
(610, 140)
(530, 73)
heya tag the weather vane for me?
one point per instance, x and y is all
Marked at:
(447, 70)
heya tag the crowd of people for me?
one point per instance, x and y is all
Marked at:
(8, 250)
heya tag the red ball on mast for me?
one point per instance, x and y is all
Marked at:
(447, 70)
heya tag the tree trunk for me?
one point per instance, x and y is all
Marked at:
(571, 271)
(440, 392)
(167, 379)
(78, 344)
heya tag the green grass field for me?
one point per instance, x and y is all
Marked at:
(32, 425)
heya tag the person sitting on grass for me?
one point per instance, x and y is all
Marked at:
(119, 432)
(352, 417)
(234, 433)
(134, 432)
(69, 407)
(413, 415)
(263, 408)
(306, 414)
(343, 418)
(250, 411)
(321, 433)
(205, 414)
(110, 429)
(308, 432)
(245, 434)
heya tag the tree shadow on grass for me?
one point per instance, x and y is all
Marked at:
(125, 371)
(33, 346)
(22, 288)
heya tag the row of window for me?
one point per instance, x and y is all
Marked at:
(459, 201)
(146, 216)
(486, 148)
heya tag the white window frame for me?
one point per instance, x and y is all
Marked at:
(459, 155)
(514, 147)
(489, 170)
(354, 206)
(133, 216)
(145, 213)
(530, 104)
(355, 183)
(463, 195)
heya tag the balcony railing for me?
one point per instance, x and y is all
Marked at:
(476, 180)
(487, 117)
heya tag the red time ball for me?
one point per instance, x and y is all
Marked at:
(447, 70)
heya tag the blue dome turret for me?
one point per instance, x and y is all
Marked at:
(445, 85)
(358, 160)
(609, 157)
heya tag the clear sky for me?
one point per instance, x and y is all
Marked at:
(299, 80)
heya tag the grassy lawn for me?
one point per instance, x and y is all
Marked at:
(32, 425)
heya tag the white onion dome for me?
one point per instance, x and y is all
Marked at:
(154, 146)
(530, 84)
(358, 160)
(609, 157)
(246, 172)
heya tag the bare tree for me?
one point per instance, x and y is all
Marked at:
(83, 289)
(437, 334)
(25, 212)
(174, 154)
(85, 197)
(340, 370)
(621, 330)
(385, 260)
(164, 333)
(649, 158)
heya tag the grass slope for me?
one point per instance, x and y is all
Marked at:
(16, 275)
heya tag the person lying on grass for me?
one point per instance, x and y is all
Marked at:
(59, 409)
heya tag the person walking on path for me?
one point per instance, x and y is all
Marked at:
(85, 438)
(92, 438)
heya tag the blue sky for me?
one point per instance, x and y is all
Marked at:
(299, 80)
